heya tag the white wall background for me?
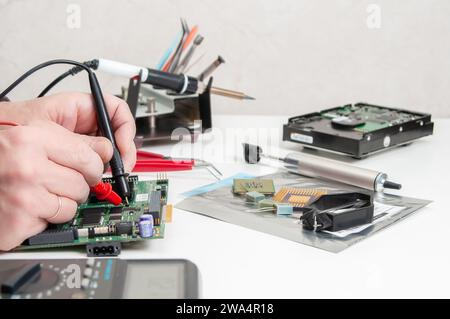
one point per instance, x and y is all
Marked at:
(294, 56)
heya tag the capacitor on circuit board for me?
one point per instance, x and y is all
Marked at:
(146, 223)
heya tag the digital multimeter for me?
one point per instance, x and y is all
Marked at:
(98, 279)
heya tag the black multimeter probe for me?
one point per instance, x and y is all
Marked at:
(104, 123)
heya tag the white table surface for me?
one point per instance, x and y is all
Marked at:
(408, 259)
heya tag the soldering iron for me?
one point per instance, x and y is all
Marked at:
(179, 83)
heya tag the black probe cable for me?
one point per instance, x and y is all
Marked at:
(104, 121)
(74, 71)
(41, 66)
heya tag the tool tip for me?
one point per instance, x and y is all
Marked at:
(199, 39)
(252, 153)
(392, 185)
(127, 202)
(249, 97)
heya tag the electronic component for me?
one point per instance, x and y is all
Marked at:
(263, 186)
(115, 214)
(298, 197)
(358, 130)
(52, 237)
(115, 218)
(154, 207)
(109, 249)
(124, 228)
(271, 207)
(116, 211)
(284, 209)
(254, 197)
(91, 216)
(266, 203)
(146, 226)
(337, 212)
(101, 222)
(154, 202)
(156, 218)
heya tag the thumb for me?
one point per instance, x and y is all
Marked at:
(101, 145)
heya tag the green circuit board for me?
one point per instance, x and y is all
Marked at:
(100, 222)
(372, 118)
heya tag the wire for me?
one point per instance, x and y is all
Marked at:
(93, 64)
(41, 66)
(55, 82)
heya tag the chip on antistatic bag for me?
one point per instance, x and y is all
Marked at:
(263, 186)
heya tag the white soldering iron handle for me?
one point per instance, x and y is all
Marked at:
(122, 69)
(314, 166)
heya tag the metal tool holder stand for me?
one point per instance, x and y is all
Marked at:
(167, 116)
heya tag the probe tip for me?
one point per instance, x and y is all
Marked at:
(249, 98)
(392, 185)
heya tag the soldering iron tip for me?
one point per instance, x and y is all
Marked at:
(249, 98)
(127, 202)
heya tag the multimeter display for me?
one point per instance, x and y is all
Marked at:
(163, 281)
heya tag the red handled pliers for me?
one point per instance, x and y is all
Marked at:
(148, 162)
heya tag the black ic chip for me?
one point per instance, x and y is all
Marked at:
(92, 216)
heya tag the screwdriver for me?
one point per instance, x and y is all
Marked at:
(314, 166)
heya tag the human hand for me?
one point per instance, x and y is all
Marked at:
(45, 172)
(76, 112)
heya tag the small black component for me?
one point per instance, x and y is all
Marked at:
(115, 210)
(156, 218)
(109, 249)
(91, 232)
(115, 217)
(124, 228)
(154, 202)
(115, 213)
(52, 237)
(337, 212)
(92, 216)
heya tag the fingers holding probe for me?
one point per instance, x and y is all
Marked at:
(53, 162)
(77, 113)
